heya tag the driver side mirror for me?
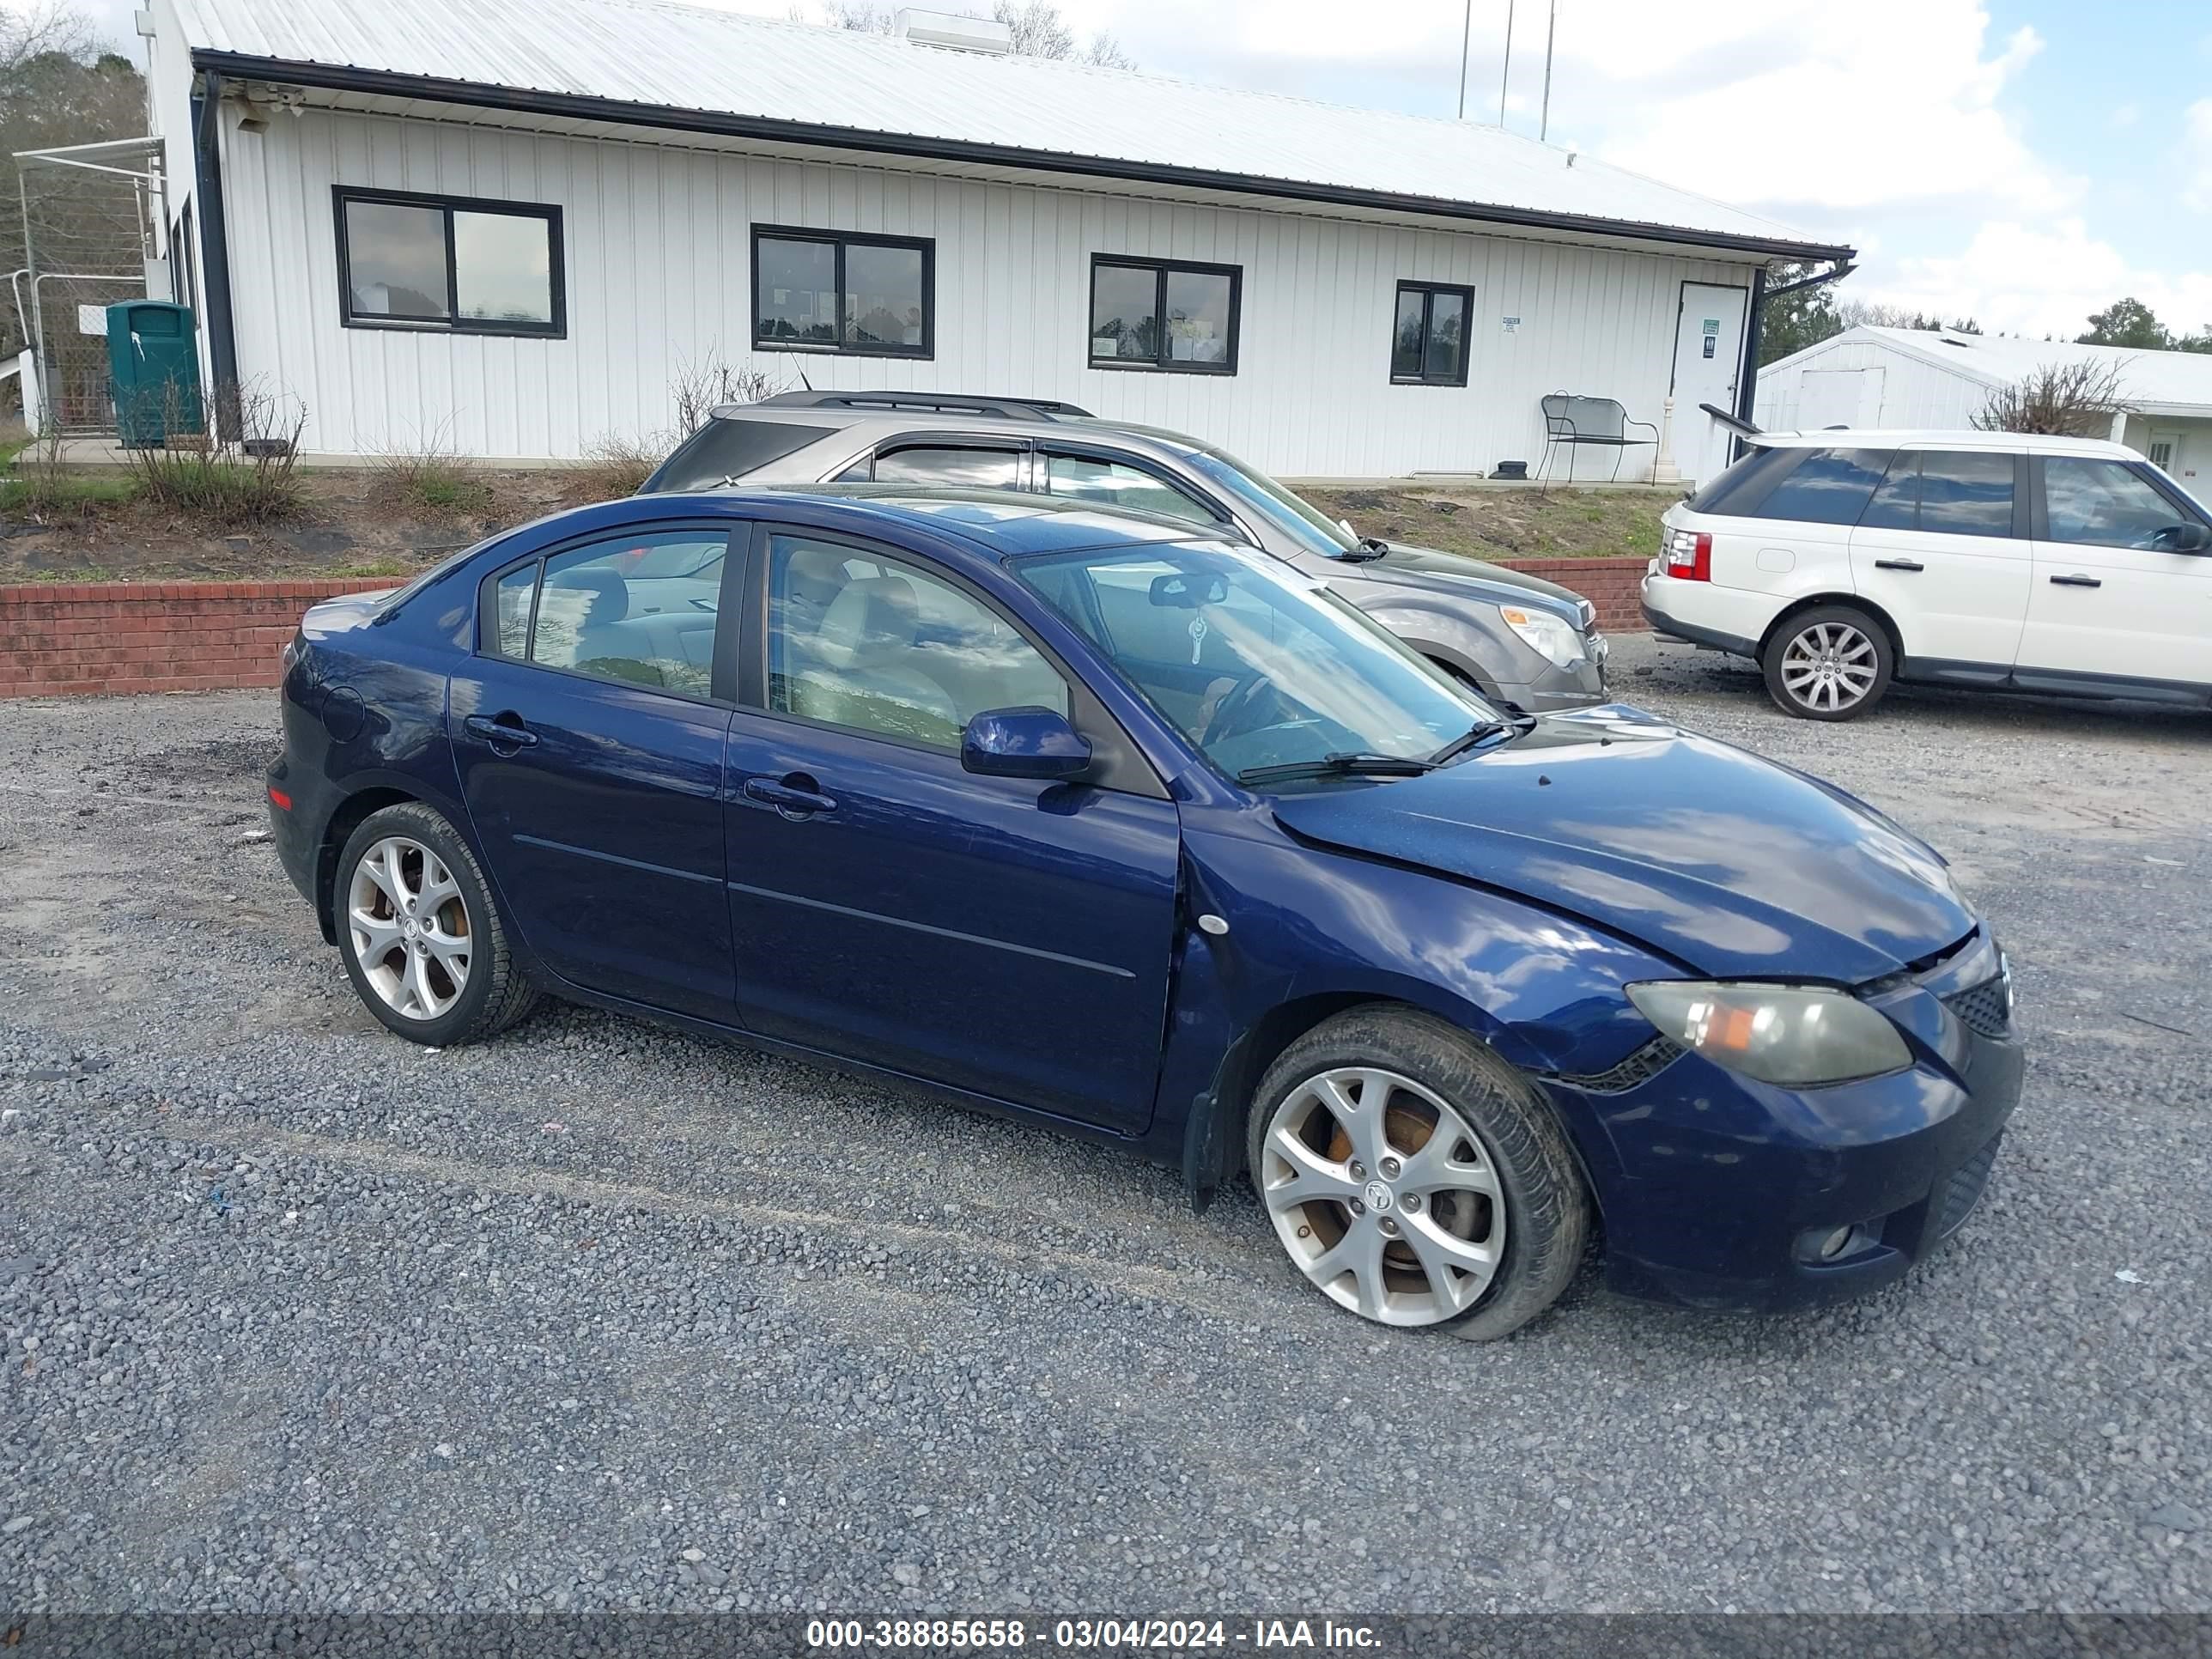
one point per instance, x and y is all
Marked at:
(2186, 539)
(1024, 743)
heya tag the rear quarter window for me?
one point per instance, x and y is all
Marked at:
(1829, 486)
(731, 447)
(1744, 482)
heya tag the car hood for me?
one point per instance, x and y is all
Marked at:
(1426, 568)
(1729, 863)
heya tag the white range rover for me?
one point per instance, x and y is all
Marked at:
(1841, 561)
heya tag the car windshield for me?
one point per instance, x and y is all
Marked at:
(1256, 491)
(1257, 665)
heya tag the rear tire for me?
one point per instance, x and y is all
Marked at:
(1479, 1235)
(1831, 663)
(421, 939)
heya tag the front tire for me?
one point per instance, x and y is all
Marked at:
(421, 940)
(1414, 1178)
(1831, 663)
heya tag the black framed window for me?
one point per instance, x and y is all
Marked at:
(823, 290)
(455, 264)
(1428, 339)
(1162, 314)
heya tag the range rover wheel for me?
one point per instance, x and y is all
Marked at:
(1830, 663)
(421, 940)
(1413, 1177)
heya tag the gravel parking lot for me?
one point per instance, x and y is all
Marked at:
(298, 1316)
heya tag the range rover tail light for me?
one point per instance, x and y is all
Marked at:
(1690, 554)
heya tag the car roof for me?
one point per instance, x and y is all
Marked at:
(890, 421)
(1851, 437)
(1004, 525)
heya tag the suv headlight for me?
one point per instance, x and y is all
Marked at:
(1551, 637)
(1793, 1035)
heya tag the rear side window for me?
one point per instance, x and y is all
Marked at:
(957, 469)
(1951, 492)
(731, 448)
(1829, 486)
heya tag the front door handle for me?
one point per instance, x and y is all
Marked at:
(794, 796)
(1898, 565)
(2075, 581)
(507, 732)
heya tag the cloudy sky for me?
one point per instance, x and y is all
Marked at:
(2022, 161)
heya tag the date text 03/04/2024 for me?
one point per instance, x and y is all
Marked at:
(1110, 1635)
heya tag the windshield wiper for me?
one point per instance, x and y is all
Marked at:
(1344, 764)
(1368, 548)
(1480, 731)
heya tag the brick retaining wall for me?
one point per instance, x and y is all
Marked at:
(82, 639)
(60, 639)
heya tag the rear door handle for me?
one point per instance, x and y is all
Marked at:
(1898, 565)
(2075, 581)
(793, 796)
(508, 732)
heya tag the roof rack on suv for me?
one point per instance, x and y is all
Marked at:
(939, 402)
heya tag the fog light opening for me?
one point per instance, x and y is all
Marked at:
(1822, 1246)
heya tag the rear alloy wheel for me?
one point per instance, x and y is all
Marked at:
(1829, 663)
(1413, 1177)
(416, 928)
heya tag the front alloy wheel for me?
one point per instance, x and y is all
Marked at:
(1414, 1177)
(1384, 1196)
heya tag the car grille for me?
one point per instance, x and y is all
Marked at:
(1965, 1188)
(1985, 1008)
(1587, 613)
(1647, 1062)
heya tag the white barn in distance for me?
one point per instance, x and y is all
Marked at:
(515, 223)
(1899, 377)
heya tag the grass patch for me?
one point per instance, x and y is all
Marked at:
(46, 493)
(1563, 523)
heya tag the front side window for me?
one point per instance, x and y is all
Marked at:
(951, 468)
(1115, 483)
(643, 609)
(2105, 504)
(1256, 665)
(869, 296)
(451, 263)
(1149, 314)
(881, 646)
(1428, 344)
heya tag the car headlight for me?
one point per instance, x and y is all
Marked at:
(1551, 637)
(1787, 1034)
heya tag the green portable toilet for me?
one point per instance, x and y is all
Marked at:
(156, 372)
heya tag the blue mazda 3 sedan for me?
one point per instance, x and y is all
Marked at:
(1067, 814)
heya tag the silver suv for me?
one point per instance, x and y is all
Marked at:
(1519, 638)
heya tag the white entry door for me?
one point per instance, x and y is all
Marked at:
(1708, 356)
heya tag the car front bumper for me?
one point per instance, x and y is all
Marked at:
(1717, 1191)
(1579, 685)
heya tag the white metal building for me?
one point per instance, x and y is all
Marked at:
(1897, 377)
(514, 223)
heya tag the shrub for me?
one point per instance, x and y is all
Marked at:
(40, 486)
(432, 476)
(614, 467)
(241, 474)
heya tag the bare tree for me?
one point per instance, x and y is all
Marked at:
(2072, 400)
